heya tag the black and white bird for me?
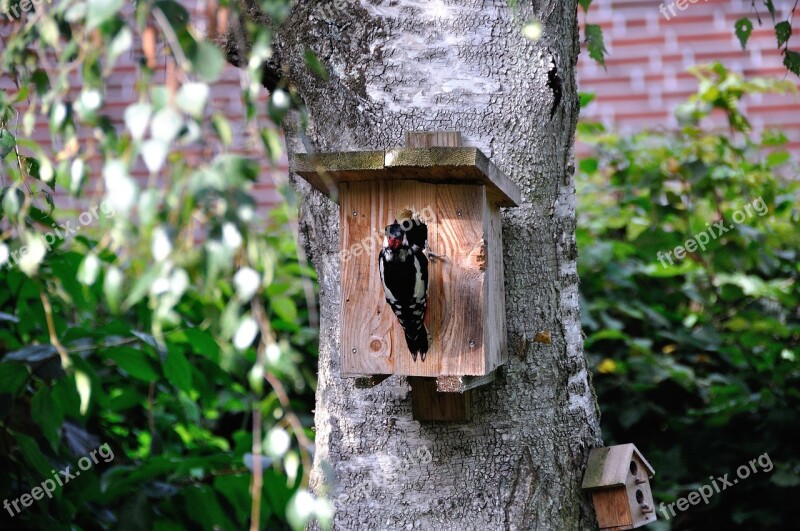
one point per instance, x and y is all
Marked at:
(404, 272)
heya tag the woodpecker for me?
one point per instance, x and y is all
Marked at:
(404, 273)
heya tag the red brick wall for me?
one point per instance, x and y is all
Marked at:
(644, 81)
(119, 93)
(646, 74)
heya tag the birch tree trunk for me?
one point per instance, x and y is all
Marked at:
(401, 65)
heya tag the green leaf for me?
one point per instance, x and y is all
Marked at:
(783, 30)
(202, 342)
(176, 14)
(316, 65)
(785, 478)
(585, 5)
(207, 512)
(235, 489)
(770, 7)
(743, 28)
(791, 60)
(284, 307)
(776, 158)
(7, 143)
(12, 377)
(177, 369)
(33, 455)
(588, 165)
(207, 61)
(223, 128)
(100, 11)
(141, 287)
(594, 40)
(133, 361)
(46, 412)
(586, 98)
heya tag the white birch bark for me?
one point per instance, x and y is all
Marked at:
(400, 65)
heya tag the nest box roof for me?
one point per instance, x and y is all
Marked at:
(610, 466)
(325, 171)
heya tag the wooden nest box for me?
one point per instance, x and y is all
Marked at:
(458, 193)
(619, 480)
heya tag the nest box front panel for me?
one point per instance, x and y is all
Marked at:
(640, 497)
(462, 289)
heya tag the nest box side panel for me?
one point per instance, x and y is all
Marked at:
(640, 497)
(372, 340)
(458, 280)
(494, 291)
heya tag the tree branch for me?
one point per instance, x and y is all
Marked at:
(236, 45)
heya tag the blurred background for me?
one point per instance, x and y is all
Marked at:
(696, 363)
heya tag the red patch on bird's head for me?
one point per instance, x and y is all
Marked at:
(395, 243)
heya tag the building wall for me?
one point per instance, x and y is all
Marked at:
(644, 81)
(120, 92)
(649, 53)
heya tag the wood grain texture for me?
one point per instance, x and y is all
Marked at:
(429, 405)
(496, 339)
(328, 172)
(457, 301)
(466, 314)
(463, 286)
(372, 339)
(638, 484)
(612, 509)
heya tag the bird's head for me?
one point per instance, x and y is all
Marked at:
(394, 236)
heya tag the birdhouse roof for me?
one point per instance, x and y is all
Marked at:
(610, 466)
(453, 165)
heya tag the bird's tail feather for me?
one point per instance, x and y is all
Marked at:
(418, 342)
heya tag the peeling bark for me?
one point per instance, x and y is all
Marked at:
(400, 65)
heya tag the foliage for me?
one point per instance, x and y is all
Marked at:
(743, 28)
(153, 328)
(783, 31)
(593, 36)
(697, 360)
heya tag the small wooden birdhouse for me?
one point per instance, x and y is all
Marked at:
(457, 192)
(619, 479)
